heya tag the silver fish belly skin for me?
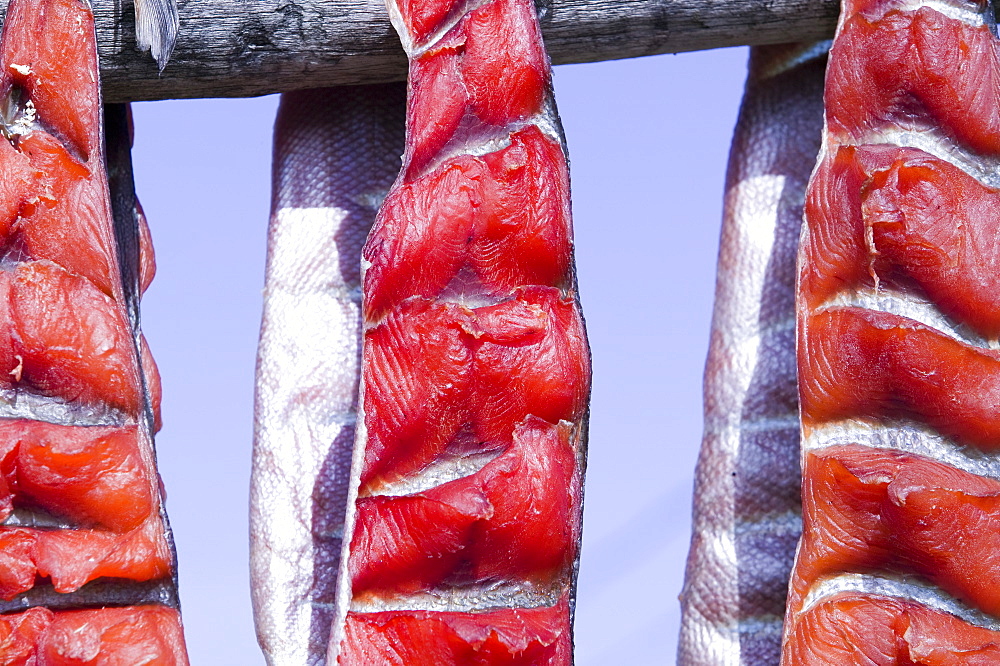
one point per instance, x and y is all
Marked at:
(747, 515)
(336, 152)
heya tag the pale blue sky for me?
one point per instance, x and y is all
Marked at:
(648, 141)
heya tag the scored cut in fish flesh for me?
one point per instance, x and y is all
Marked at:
(464, 508)
(87, 562)
(746, 516)
(336, 153)
(899, 373)
(850, 628)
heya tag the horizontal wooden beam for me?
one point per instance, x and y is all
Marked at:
(243, 48)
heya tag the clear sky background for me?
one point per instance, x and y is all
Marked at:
(648, 140)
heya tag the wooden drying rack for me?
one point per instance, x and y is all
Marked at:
(245, 48)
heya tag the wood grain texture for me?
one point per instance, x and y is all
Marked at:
(243, 48)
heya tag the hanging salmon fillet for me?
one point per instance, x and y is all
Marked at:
(83, 521)
(464, 508)
(899, 373)
(336, 153)
(747, 489)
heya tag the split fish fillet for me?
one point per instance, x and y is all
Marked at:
(466, 494)
(87, 560)
(897, 341)
(746, 515)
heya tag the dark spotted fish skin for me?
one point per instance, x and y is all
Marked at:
(336, 152)
(747, 508)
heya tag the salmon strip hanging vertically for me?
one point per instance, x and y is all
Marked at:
(746, 517)
(899, 373)
(336, 152)
(466, 497)
(85, 548)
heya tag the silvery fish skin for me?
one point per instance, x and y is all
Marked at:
(747, 509)
(156, 25)
(336, 153)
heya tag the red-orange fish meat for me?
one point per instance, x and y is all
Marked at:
(85, 551)
(899, 374)
(465, 506)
